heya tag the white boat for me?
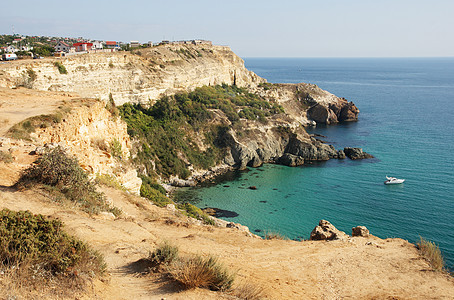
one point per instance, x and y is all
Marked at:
(393, 180)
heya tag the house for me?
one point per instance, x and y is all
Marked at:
(11, 49)
(112, 45)
(62, 47)
(83, 46)
(97, 45)
(134, 44)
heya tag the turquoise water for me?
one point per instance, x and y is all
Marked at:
(406, 122)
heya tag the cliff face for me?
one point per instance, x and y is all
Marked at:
(137, 77)
(145, 75)
(90, 132)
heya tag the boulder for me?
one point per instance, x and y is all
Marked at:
(341, 154)
(356, 153)
(290, 160)
(326, 231)
(360, 231)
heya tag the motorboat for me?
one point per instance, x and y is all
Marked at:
(393, 180)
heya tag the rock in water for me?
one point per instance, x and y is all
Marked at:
(360, 231)
(291, 160)
(356, 153)
(326, 231)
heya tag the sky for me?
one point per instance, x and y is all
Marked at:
(252, 28)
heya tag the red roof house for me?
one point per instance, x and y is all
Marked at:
(83, 46)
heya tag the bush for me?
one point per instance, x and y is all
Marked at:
(196, 213)
(28, 239)
(248, 291)
(154, 195)
(6, 157)
(63, 173)
(116, 149)
(61, 68)
(164, 254)
(200, 272)
(432, 253)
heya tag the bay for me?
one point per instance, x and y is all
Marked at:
(406, 121)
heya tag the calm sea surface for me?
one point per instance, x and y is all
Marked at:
(406, 122)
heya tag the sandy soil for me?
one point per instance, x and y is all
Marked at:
(360, 268)
(19, 104)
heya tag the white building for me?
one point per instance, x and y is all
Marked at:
(97, 45)
(62, 47)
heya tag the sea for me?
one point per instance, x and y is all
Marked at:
(406, 121)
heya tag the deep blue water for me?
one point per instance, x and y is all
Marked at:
(406, 121)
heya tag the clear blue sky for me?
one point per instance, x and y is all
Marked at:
(252, 28)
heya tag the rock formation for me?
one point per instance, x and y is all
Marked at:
(326, 231)
(360, 231)
(356, 153)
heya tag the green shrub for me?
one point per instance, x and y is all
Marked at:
(28, 239)
(6, 157)
(200, 272)
(432, 253)
(153, 184)
(116, 149)
(164, 254)
(63, 173)
(61, 68)
(154, 195)
(196, 213)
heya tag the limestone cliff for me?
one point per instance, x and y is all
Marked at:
(145, 75)
(137, 77)
(90, 132)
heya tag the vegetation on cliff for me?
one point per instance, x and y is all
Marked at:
(170, 131)
(62, 175)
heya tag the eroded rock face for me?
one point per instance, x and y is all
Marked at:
(138, 76)
(291, 160)
(88, 132)
(338, 111)
(326, 231)
(356, 153)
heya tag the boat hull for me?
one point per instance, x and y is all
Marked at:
(399, 181)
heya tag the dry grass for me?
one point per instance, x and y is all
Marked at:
(201, 272)
(164, 255)
(100, 144)
(271, 235)
(432, 253)
(6, 157)
(249, 291)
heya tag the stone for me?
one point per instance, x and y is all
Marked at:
(171, 207)
(326, 231)
(360, 231)
(356, 153)
(291, 160)
(341, 154)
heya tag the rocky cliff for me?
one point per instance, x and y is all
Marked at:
(145, 75)
(137, 77)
